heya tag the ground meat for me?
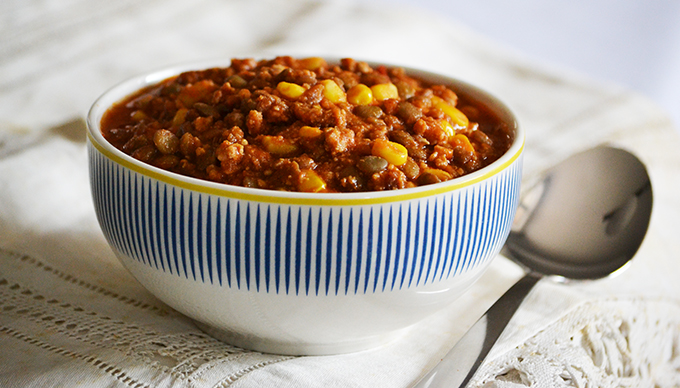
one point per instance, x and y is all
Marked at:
(230, 156)
(339, 140)
(307, 125)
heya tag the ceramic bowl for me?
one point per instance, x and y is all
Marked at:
(301, 273)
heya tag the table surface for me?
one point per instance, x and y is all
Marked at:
(70, 315)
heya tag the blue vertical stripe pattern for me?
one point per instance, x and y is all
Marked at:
(299, 249)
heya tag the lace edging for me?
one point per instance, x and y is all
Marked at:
(604, 343)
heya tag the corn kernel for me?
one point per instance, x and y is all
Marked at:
(463, 141)
(290, 90)
(332, 91)
(180, 117)
(360, 95)
(139, 115)
(394, 153)
(311, 182)
(456, 115)
(385, 91)
(312, 63)
(200, 91)
(278, 145)
(447, 128)
(309, 132)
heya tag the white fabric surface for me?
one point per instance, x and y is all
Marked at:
(70, 315)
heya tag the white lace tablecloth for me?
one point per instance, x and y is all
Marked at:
(70, 316)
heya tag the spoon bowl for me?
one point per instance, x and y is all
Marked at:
(585, 219)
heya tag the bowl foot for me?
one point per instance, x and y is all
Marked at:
(299, 348)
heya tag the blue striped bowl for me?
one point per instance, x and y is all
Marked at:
(299, 273)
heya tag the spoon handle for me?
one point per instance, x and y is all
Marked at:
(460, 364)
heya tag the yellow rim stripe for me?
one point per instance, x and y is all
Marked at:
(295, 200)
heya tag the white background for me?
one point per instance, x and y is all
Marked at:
(635, 43)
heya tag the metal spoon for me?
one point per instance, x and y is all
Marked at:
(584, 220)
